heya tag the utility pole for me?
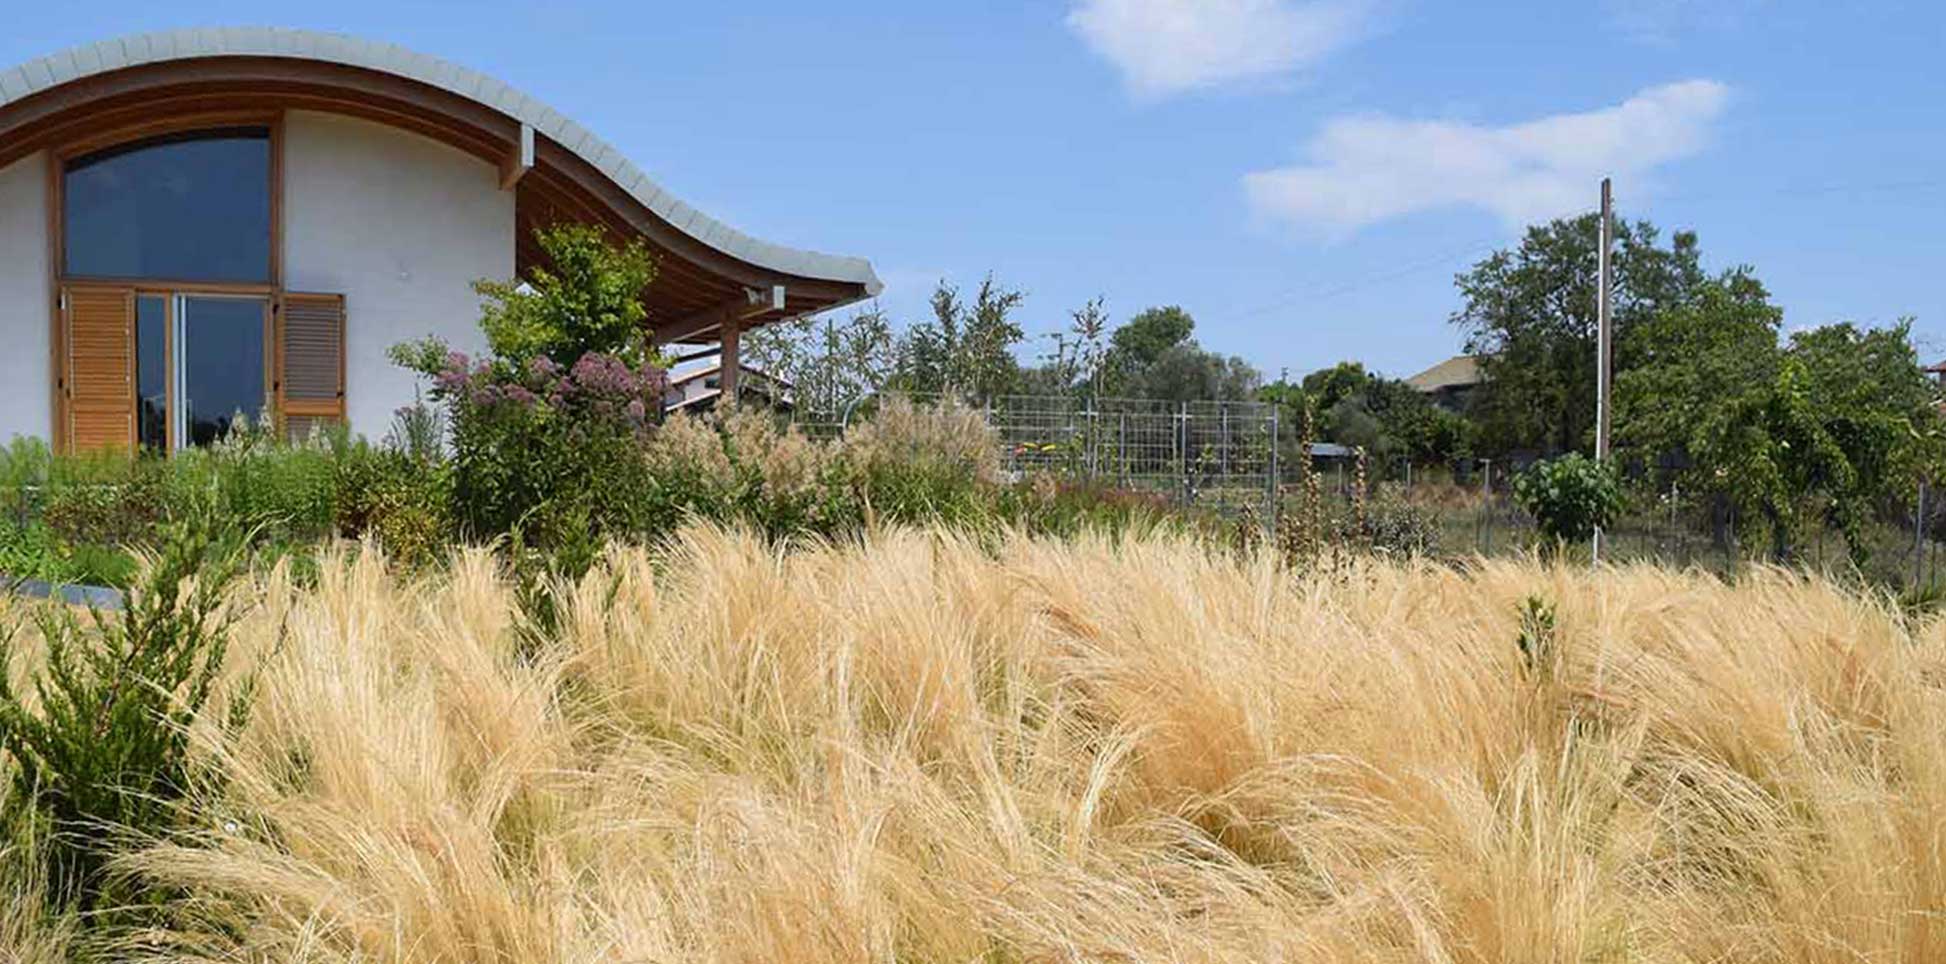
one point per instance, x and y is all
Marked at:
(1604, 331)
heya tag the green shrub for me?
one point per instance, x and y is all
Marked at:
(29, 552)
(546, 431)
(1044, 505)
(1570, 497)
(927, 463)
(399, 497)
(101, 749)
(284, 492)
(93, 509)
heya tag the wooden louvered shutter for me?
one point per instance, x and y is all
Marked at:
(98, 370)
(311, 362)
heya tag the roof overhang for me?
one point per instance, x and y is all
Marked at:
(558, 170)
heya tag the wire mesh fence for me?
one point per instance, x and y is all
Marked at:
(1242, 458)
(1219, 456)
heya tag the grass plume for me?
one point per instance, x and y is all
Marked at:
(917, 747)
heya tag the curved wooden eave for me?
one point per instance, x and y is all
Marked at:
(91, 93)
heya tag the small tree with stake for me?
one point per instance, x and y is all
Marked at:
(1570, 497)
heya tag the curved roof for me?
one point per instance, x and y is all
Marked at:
(78, 63)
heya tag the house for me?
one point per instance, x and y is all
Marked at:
(1452, 383)
(203, 222)
(699, 389)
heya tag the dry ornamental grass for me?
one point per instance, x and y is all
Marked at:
(920, 749)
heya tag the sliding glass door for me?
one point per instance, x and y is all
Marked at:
(201, 364)
(222, 365)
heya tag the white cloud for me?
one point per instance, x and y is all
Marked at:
(1171, 46)
(1363, 170)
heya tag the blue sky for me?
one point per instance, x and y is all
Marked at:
(1305, 176)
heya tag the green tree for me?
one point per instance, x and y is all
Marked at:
(1387, 417)
(1190, 373)
(1877, 404)
(965, 350)
(1530, 314)
(830, 364)
(1141, 341)
(1818, 429)
(1327, 387)
(585, 297)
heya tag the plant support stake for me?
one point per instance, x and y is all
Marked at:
(1605, 285)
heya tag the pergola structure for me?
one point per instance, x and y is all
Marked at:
(713, 282)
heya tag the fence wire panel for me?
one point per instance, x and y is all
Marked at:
(1230, 457)
(1220, 456)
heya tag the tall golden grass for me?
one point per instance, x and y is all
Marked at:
(919, 748)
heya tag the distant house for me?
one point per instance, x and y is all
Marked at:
(1451, 383)
(699, 390)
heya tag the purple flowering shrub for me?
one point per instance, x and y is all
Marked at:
(535, 441)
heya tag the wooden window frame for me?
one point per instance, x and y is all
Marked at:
(337, 408)
(59, 279)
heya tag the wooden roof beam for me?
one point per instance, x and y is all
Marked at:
(755, 303)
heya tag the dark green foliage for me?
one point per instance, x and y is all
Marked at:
(1188, 372)
(1570, 497)
(102, 752)
(108, 513)
(1817, 430)
(1530, 314)
(1141, 341)
(1386, 417)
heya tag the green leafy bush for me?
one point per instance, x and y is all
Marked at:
(1570, 497)
(100, 750)
(399, 498)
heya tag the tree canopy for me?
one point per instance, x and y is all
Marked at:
(1529, 315)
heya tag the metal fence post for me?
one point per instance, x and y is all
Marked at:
(1919, 539)
(1275, 486)
(1182, 452)
(1121, 446)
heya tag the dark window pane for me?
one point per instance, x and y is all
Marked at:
(192, 207)
(152, 372)
(223, 365)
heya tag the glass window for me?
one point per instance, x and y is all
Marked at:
(152, 372)
(189, 207)
(222, 347)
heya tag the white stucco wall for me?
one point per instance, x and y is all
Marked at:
(401, 226)
(26, 375)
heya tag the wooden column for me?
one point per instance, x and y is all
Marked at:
(731, 358)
